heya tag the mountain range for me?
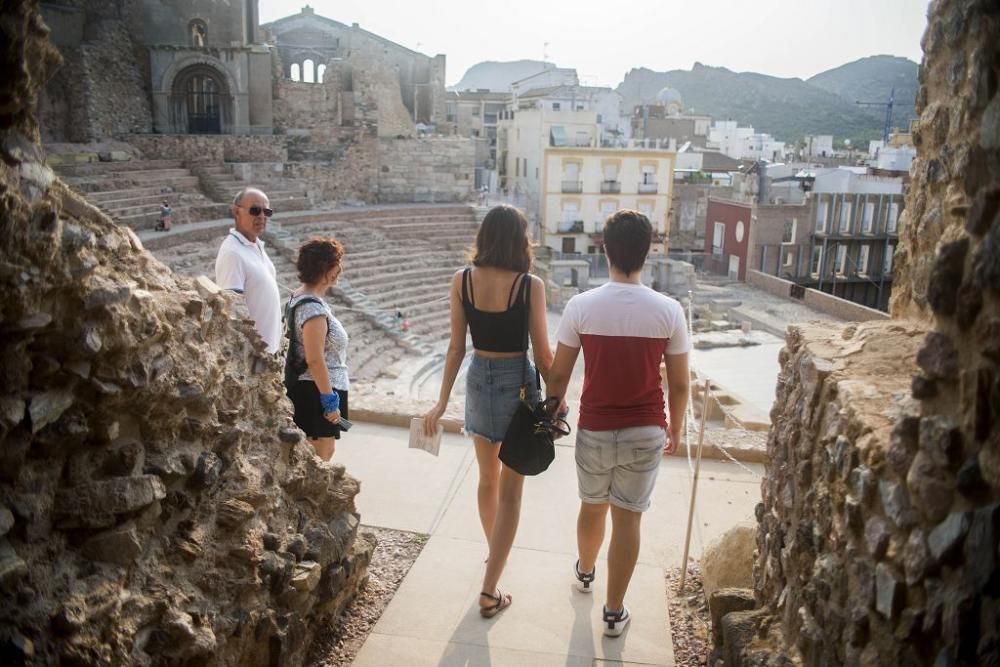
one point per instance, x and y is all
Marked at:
(785, 108)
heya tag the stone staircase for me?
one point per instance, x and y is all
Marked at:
(283, 194)
(131, 192)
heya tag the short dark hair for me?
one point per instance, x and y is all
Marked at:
(502, 240)
(627, 236)
(316, 257)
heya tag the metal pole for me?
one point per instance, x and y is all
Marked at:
(694, 485)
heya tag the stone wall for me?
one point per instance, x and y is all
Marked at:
(195, 148)
(100, 90)
(879, 526)
(426, 170)
(157, 506)
(947, 229)
(820, 301)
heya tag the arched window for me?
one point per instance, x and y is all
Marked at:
(309, 71)
(295, 73)
(320, 71)
(198, 31)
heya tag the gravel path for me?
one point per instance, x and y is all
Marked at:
(395, 553)
(690, 623)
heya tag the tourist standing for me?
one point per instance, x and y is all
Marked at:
(319, 340)
(164, 224)
(244, 267)
(626, 330)
(495, 299)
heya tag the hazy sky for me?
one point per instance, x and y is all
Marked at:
(603, 40)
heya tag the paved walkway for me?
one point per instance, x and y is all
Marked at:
(433, 618)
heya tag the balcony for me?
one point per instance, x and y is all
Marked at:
(611, 187)
(570, 227)
(648, 188)
(575, 187)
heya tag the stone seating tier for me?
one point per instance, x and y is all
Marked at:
(98, 168)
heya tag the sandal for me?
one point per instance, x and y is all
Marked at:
(500, 602)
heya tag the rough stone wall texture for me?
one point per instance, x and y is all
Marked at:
(376, 81)
(953, 197)
(426, 170)
(100, 91)
(880, 518)
(156, 505)
(207, 148)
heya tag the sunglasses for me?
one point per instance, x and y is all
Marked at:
(257, 210)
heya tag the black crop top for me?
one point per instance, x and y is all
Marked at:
(503, 331)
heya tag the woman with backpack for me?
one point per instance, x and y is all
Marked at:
(496, 299)
(316, 376)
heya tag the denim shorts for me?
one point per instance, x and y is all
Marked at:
(619, 467)
(492, 393)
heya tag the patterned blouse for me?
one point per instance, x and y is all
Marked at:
(335, 347)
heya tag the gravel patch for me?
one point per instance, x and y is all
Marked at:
(690, 623)
(395, 553)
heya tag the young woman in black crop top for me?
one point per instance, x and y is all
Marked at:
(492, 299)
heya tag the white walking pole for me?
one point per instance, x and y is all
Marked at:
(694, 485)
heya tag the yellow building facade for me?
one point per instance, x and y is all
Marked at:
(581, 187)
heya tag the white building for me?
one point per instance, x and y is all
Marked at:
(743, 143)
(820, 145)
(891, 158)
(523, 136)
(615, 129)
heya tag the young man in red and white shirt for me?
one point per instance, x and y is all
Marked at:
(625, 330)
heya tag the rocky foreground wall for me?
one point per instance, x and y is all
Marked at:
(156, 504)
(879, 527)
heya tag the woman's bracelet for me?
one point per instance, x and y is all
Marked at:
(330, 402)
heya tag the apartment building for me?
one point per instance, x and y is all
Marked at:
(582, 186)
(523, 135)
(839, 238)
(474, 114)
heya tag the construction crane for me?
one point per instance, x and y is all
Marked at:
(888, 112)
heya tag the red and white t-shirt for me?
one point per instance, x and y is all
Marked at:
(624, 329)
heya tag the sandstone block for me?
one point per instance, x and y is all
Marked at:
(307, 576)
(738, 631)
(728, 562)
(931, 487)
(896, 504)
(97, 503)
(120, 546)
(724, 601)
(47, 407)
(234, 512)
(916, 557)
(888, 591)
(945, 540)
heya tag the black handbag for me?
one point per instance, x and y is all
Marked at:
(528, 446)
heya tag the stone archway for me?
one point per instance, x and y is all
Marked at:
(201, 101)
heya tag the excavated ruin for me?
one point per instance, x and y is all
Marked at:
(157, 505)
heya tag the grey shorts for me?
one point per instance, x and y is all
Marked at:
(492, 393)
(619, 467)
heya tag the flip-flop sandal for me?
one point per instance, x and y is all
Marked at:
(500, 602)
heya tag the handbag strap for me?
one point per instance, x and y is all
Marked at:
(526, 298)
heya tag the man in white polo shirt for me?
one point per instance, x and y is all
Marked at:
(625, 330)
(244, 267)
